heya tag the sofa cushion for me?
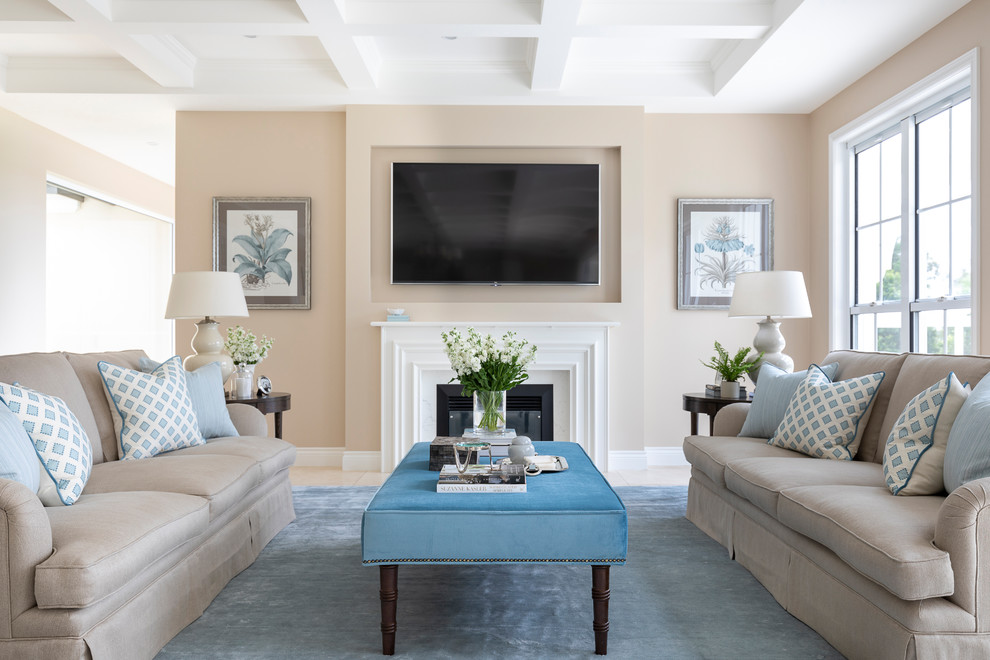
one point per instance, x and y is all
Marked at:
(18, 459)
(760, 480)
(272, 454)
(886, 538)
(918, 372)
(52, 374)
(915, 453)
(967, 455)
(853, 364)
(774, 390)
(206, 393)
(223, 480)
(710, 454)
(825, 419)
(88, 375)
(152, 413)
(59, 440)
(107, 540)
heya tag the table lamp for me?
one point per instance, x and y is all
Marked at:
(771, 294)
(206, 294)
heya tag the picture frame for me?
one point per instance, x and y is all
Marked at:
(267, 241)
(716, 240)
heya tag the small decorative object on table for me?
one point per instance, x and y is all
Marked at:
(486, 368)
(732, 368)
(521, 450)
(264, 386)
(246, 353)
(396, 314)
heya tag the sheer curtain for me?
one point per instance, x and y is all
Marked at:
(108, 272)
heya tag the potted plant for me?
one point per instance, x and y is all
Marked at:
(732, 368)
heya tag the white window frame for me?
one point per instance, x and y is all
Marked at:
(955, 76)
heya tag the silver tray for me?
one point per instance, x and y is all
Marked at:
(559, 463)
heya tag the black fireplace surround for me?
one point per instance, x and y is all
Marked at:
(529, 410)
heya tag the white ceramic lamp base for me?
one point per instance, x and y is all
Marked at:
(771, 342)
(208, 346)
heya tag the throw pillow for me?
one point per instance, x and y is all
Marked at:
(825, 419)
(18, 460)
(152, 413)
(915, 453)
(206, 393)
(59, 442)
(774, 390)
(967, 456)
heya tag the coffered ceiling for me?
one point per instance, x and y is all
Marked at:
(110, 74)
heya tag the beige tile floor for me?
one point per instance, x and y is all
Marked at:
(322, 476)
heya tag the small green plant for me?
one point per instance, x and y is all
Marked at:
(735, 367)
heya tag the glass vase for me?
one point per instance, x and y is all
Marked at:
(489, 412)
(242, 383)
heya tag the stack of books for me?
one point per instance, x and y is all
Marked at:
(397, 317)
(479, 479)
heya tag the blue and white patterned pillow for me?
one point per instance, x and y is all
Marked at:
(914, 456)
(59, 440)
(825, 419)
(152, 413)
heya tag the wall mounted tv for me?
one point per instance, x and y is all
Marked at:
(495, 223)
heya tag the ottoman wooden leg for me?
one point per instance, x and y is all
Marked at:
(600, 594)
(389, 593)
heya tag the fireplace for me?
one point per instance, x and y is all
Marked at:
(529, 410)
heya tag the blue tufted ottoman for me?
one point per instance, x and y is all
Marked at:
(571, 517)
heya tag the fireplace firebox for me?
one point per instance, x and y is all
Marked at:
(529, 410)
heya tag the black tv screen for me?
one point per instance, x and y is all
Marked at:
(495, 223)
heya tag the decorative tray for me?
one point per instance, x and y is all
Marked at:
(546, 463)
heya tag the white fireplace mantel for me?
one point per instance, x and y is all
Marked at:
(578, 349)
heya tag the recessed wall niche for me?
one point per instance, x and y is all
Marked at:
(610, 289)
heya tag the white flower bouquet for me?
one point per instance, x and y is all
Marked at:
(243, 347)
(484, 365)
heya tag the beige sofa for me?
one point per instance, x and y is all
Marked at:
(150, 542)
(877, 575)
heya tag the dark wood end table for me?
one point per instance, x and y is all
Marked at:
(699, 402)
(275, 402)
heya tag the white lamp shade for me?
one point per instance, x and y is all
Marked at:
(205, 293)
(776, 293)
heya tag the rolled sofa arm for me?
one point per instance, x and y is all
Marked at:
(248, 420)
(729, 420)
(25, 542)
(963, 530)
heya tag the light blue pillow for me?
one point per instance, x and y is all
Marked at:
(18, 460)
(967, 455)
(774, 389)
(206, 391)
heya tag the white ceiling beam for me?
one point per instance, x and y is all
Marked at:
(731, 62)
(679, 14)
(160, 57)
(356, 58)
(553, 46)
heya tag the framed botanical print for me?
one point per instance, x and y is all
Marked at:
(716, 240)
(265, 240)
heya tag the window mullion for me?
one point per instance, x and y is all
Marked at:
(909, 224)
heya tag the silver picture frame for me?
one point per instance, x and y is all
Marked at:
(716, 240)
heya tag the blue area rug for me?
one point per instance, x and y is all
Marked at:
(679, 596)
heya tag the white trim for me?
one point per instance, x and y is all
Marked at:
(332, 457)
(962, 71)
(665, 457)
(362, 461)
(626, 460)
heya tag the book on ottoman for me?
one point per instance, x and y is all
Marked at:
(479, 479)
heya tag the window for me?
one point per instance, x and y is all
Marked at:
(108, 271)
(903, 271)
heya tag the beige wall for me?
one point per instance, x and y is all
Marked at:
(258, 154)
(28, 156)
(958, 34)
(715, 156)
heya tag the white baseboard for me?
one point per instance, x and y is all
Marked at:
(362, 461)
(665, 457)
(626, 460)
(340, 458)
(332, 457)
